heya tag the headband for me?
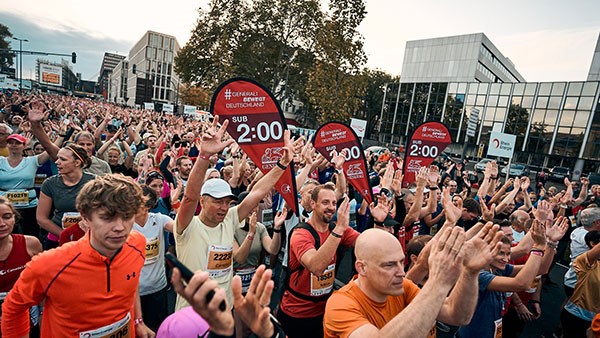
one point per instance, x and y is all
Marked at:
(76, 154)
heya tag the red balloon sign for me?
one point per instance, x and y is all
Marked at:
(427, 142)
(334, 137)
(256, 123)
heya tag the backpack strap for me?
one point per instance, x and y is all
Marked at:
(317, 239)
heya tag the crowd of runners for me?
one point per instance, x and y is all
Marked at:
(92, 196)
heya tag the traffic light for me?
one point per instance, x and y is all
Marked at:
(133, 68)
(73, 57)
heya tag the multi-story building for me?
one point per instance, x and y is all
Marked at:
(464, 58)
(555, 123)
(594, 73)
(109, 62)
(117, 83)
(154, 79)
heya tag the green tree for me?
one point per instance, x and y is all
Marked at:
(337, 82)
(373, 97)
(196, 96)
(6, 58)
(206, 59)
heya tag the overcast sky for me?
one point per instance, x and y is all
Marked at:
(547, 40)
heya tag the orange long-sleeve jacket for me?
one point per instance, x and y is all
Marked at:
(82, 289)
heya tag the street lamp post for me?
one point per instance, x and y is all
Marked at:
(20, 61)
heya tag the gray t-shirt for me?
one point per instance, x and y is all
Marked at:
(255, 249)
(98, 167)
(63, 197)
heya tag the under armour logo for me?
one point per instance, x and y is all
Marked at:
(131, 276)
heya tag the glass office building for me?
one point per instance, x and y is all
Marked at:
(556, 123)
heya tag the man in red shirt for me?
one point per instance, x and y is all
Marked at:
(312, 266)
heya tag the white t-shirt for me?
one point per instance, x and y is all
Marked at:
(153, 276)
(205, 248)
(578, 247)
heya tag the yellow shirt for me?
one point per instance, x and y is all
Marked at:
(205, 248)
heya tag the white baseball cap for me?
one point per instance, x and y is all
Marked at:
(217, 188)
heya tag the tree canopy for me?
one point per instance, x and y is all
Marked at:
(295, 47)
(6, 58)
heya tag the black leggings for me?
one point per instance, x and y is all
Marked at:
(301, 327)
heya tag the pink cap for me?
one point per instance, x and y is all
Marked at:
(17, 137)
(185, 323)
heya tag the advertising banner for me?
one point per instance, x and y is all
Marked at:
(190, 110)
(427, 142)
(168, 108)
(501, 144)
(334, 137)
(256, 123)
(359, 126)
(50, 74)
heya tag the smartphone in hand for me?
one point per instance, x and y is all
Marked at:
(187, 274)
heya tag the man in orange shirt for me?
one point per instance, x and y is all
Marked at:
(381, 302)
(90, 286)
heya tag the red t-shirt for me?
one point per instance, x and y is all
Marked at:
(302, 280)
(71, 234)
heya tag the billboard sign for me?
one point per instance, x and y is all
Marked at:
(50, 74)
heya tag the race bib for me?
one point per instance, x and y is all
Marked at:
(219, 260)
(246, 275)
(498, 328)
(70, 218)
(152, 250)
(267, 217)
(119, 329)
(39, 180)
(18, 198)
(322, 285)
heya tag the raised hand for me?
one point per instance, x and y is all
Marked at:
(252, 223)
(558, 230)
(288, 149)
(339, 160)
(37, 112)
(486, 213)
(343, 218)
(478, 251)
(253, 308)
(538, 234)
(422, 176)
(543, 212)
(212, 139)
(396, 186)
(195, 292)
(433, 177)
(382, 209)
(525, 182)
(453, 213)
(388, 176)
(445, 260)
(280, 218)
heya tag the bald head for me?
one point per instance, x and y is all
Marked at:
(380, 264)
(518, 219)
(375, 243)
